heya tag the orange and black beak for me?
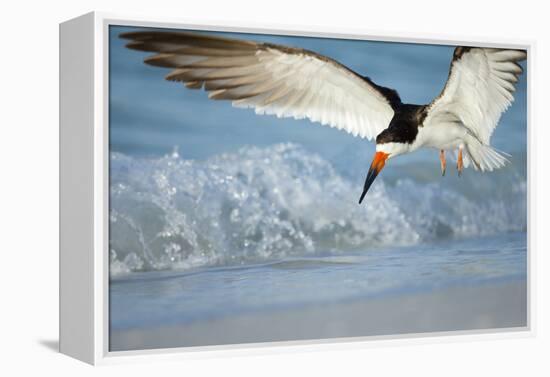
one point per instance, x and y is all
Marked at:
(376, 166)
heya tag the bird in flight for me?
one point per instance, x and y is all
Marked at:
(293, 82)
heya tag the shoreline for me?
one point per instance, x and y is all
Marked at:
(487, 306)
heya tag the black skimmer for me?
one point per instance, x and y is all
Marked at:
(293, 82)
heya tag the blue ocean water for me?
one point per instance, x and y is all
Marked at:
(164, 298)
(265, 204)
(216, 211)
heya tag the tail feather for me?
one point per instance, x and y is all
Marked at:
(486, 158)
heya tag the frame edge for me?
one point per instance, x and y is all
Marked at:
(76, 194)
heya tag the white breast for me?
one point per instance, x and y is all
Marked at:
(448, 136)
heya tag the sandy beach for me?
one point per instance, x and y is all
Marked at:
(490, 306)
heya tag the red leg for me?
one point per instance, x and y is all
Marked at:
(443, 162)
(460, 163)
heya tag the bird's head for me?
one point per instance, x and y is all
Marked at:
(384, 151)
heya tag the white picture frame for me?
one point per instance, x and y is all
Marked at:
(84, 191)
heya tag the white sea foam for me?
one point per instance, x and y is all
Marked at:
(262, 204)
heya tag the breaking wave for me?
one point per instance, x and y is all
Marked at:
(262, 204)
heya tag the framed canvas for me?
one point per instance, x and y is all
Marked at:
(288, 188)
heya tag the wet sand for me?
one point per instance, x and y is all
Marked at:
(487, 306)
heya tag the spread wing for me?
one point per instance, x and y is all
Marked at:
(479, 89)
(272, 79)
